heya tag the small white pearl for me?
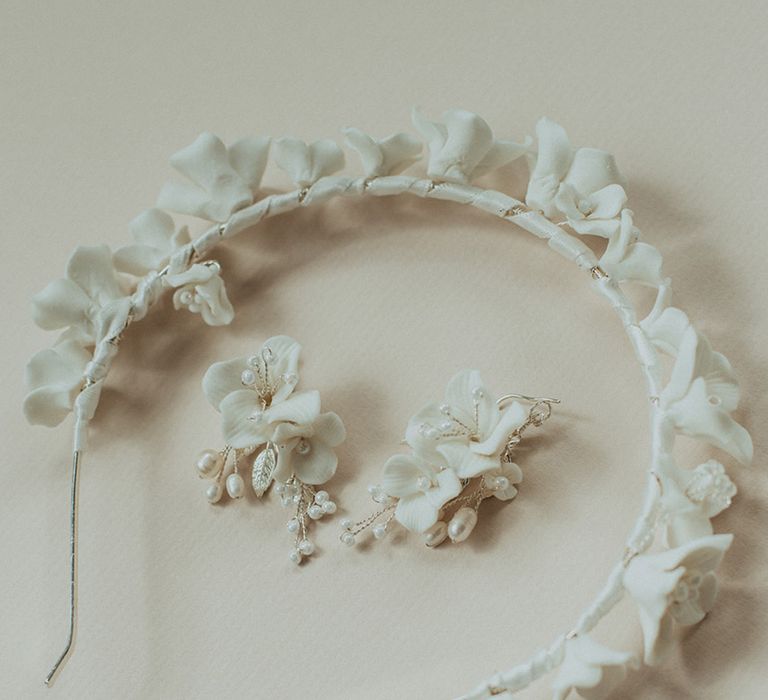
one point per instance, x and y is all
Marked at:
(248, 377)
(315, 512)
(348, 539)
(347, 524)
(445, 409)
(293, 525)
(477, 393)
(306, 547)
(212, 493)
(431, 433)
(462, 524)
(502, 483)
(267, 353)
(379, 531)
(296, 499)
(329, 507)
(279, 488)
(436, 534)
(253, 360)
(321, 497)
(207, 463)
(423, 483)
(235, 486)
(446, 426)
(295, 556)
(186, 297)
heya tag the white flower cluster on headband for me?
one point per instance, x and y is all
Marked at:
(291, 443)
(460, 448)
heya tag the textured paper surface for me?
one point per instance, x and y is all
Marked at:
(389, 299)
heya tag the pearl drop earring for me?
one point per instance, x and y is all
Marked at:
(281, 434)
(461, 454)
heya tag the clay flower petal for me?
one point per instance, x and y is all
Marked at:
(271, 372)
(591, 669)
(464, 462)
(156, 240)
(200, 289)
(701, 393)
(626, 259)
(307, 163)
(54, 377)
(387, 156)
(512, 473)
(595, 214)
(419, 511)
(246, 422)
(468, 412)
(90, 300)
(551, 164)
(306, 450)
(674, 586)
(222, 180)
(462, 146)
(402, 474)
(574, 178)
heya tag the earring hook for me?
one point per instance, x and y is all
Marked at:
(523, 397)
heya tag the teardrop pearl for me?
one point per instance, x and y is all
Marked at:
(207, 463)
(235, 486)
(462, 524)
(436, 534)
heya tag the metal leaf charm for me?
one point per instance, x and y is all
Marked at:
(264, 467)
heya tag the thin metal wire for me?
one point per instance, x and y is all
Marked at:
(523, 397)
(72, 569)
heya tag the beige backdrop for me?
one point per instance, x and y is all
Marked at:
(389, 298)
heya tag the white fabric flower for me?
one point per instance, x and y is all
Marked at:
(579, 176)
(691, 498)
(222, 180)
(676, 586)
(468, 430)
(307, 163)
(462, 147)
(272, 373)
(421, 488)
(512, 473)
(702, 389)
(90, 301)
(156, 240)
(201, 290)
(591, 669)
(387, 156)
(627, 259)
(54, 377)
(306, 450)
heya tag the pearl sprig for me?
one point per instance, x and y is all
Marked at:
(310, 505)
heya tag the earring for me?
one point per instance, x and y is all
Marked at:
(280, 434)
(461, 454)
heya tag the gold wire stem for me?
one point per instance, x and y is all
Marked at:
(72, 569)
(523, 397)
